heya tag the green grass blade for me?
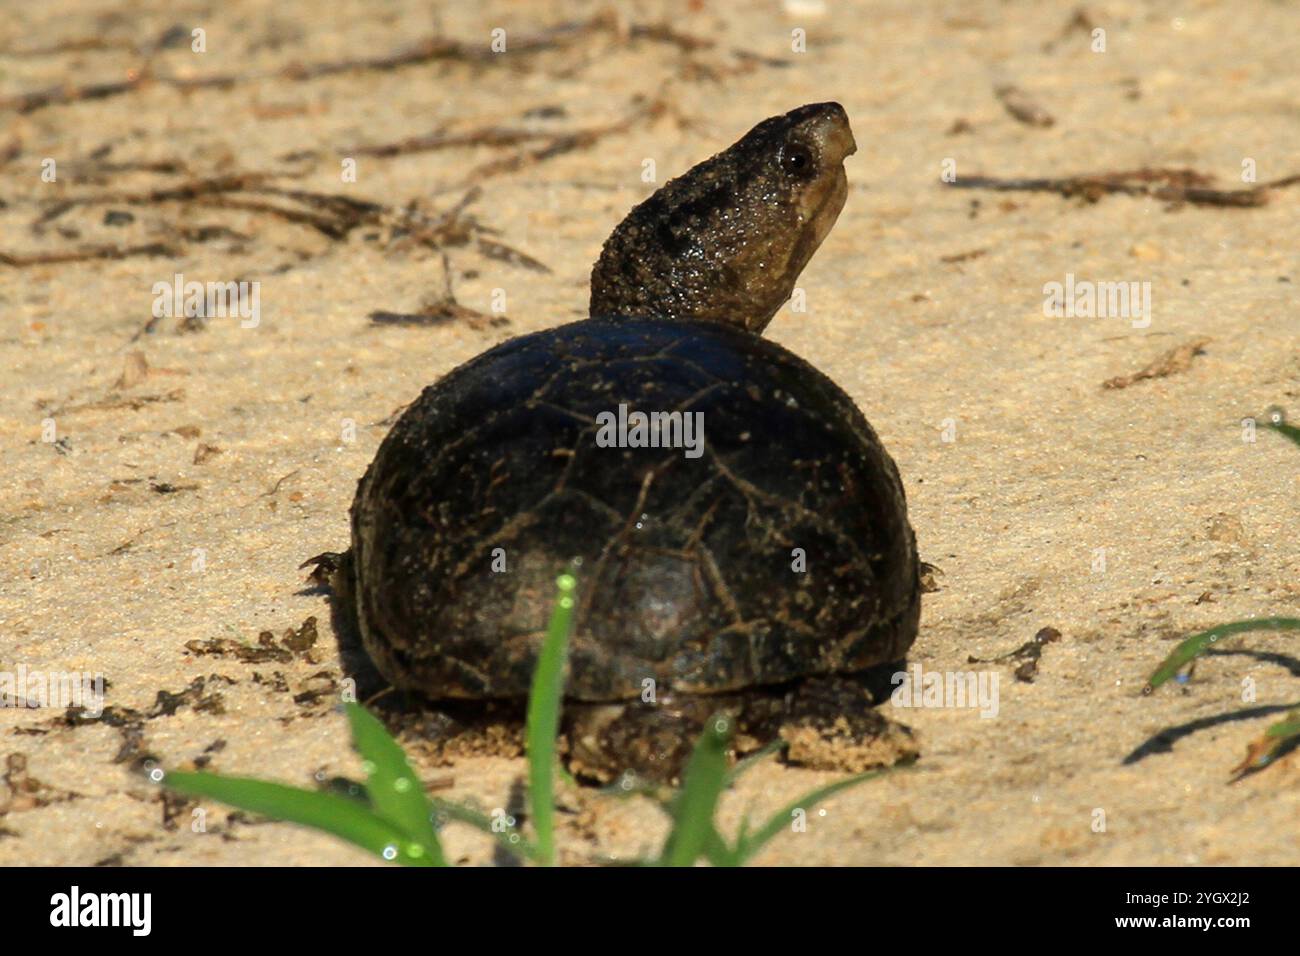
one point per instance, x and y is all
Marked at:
(1278, 423)
(396, 793)
(1286, 728)
(544, 719)
(483, 823)
(1264, 750)
(693, 831)
(749, 844)
(1198, 644)
(718, 853)
(758, 756)
(343, 817)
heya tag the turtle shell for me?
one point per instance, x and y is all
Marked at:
(779, 551)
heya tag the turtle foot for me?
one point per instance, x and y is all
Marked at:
(829, 724)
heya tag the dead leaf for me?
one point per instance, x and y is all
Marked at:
(134, 371)
(1178, 359)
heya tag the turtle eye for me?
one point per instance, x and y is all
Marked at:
(797, 159)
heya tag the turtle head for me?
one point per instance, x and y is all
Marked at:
(726, 241)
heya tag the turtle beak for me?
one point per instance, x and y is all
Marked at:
(834, 137)
(840, 143)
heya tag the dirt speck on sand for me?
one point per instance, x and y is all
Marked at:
(347, 160)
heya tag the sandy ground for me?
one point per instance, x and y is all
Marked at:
(176, 499)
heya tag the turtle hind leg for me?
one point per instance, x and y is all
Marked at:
(639, 742)
(823, 723)
(829, 723)
(445, 732)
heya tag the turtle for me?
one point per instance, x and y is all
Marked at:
(738, 533)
